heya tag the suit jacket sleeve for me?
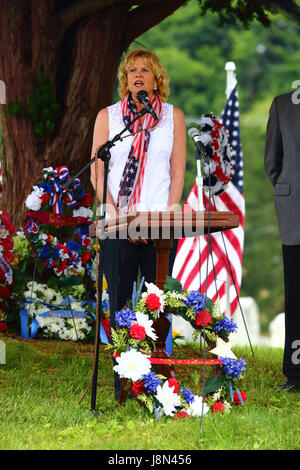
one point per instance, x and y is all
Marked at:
(273, 147)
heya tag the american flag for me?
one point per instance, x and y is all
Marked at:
(221, 261)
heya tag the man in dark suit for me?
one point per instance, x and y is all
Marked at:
(282, 166)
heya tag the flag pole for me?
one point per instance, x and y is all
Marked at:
(230, 84)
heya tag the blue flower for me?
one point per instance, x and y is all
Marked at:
(233, 367)
(55, 252)
(196, 300)
(226, 325)
(73, 246)
(47, 187)
(188, 395)
(151, 382)
(43, 251)
(125, 317)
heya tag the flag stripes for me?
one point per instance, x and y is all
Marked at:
(213, 263)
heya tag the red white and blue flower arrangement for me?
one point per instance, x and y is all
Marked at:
(54, 208)
(134, 340)
(218, 172)
(7, 230)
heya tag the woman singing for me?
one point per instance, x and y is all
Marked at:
(146, 169)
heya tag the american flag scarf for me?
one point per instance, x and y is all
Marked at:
(133, 174)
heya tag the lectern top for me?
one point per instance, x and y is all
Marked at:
(165, 225)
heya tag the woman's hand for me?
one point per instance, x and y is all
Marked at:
(137, 241)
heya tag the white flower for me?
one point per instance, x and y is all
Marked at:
(64, 333)
(71, 334)
(205, 138)
(132, 365)
(169, 400)
(49, 169)
(143, 320)
(83, 212)
(206, 120)
(33, 202)
(217, 395)
(227, 406)
(44, 321)
(56, 325)
(63, 255)
(81, 323)
(153, 289)
(197, 407)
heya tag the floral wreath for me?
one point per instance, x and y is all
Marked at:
(218, 172)
(7, 230)
(53, 206)
(134, 339)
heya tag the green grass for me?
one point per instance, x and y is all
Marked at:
(42, 381)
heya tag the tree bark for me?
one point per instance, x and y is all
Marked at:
(80, 48)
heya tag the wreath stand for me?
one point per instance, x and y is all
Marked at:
(156, 225)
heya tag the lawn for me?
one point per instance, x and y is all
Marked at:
(42, 382)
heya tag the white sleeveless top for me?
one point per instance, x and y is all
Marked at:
(157, 178)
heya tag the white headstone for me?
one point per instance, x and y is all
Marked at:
(251, 315)
(277, 331)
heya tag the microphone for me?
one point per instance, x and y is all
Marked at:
(194, 134)
(142, 96)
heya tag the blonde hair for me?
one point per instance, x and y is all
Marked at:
(156, 66)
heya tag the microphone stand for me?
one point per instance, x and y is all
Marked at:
(104, 154)
(199, 181)
(200, 155)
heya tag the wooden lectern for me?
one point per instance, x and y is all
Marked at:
(163, 227)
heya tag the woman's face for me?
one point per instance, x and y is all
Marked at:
(140, 77)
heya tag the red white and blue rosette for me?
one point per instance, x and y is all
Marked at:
(54, 208)
(218, 172)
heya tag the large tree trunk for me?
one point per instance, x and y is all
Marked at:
(79, 47)
(82, 67)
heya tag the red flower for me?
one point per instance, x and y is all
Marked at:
(3, 326)
(173, 382)
(7, 223)
(138, 387)
(215, 144)
(7, 243)
(218, 407)
(4, 292)
(237, 399)
(153, 302)
(45, 198)
(137, 331)
(8, 256)
(87, 241)
(199, 318)
(181, 415)
(86, 200)
(215, 134)
(85, 256)
(62, 247)
(62, 267)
